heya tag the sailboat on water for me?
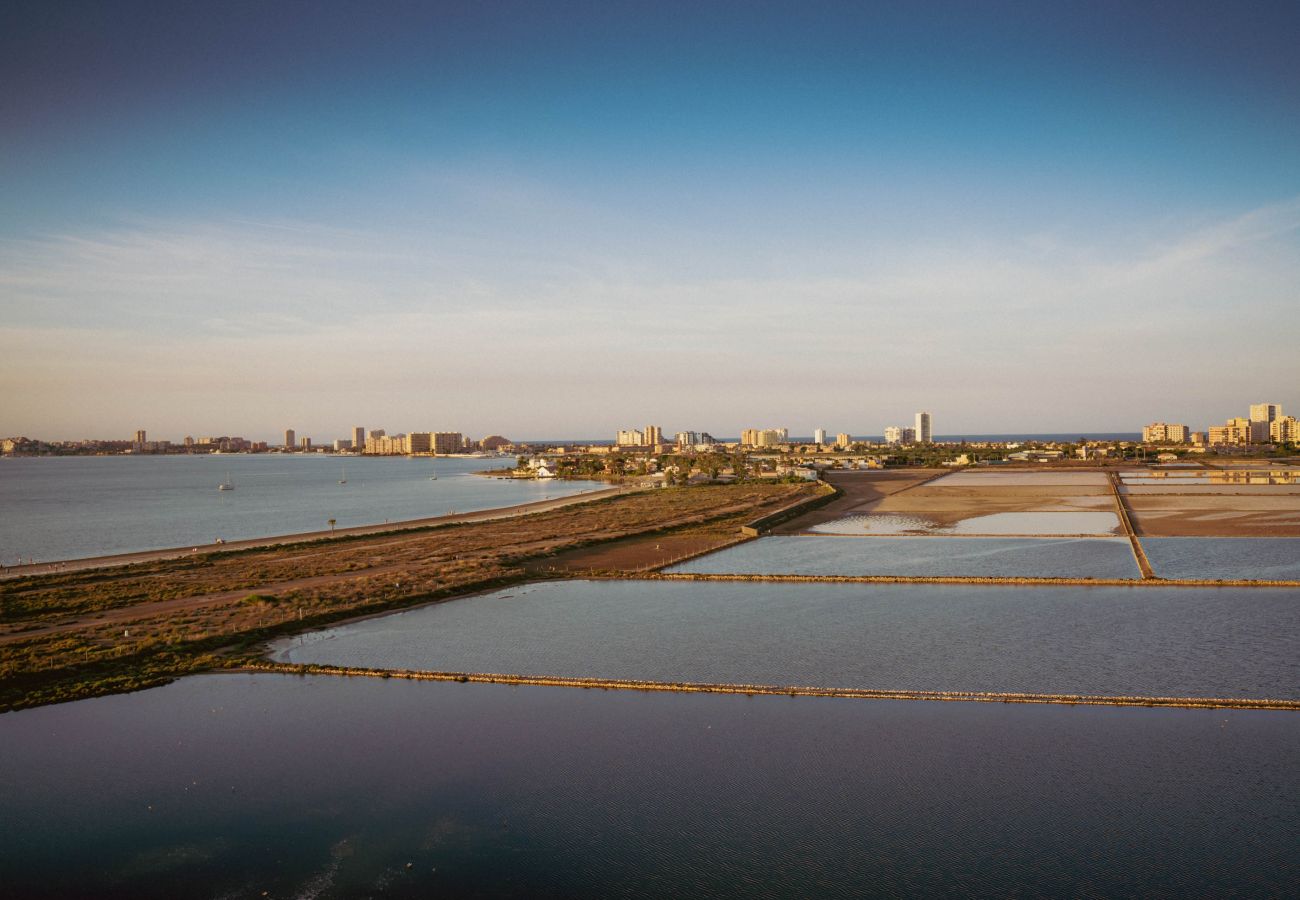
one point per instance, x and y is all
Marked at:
(227, 485)
(343, 478)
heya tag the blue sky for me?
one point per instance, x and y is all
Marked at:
(562, 219)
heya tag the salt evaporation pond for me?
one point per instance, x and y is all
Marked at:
(1042, 639)
(923, 556)
(1021, 478)
(1009, 523)
(1251, 558)
(265, 785)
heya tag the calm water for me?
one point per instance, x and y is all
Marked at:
(921, 556)
(61, 508)
(231, 786)
(1259, 558)
(1220, 642)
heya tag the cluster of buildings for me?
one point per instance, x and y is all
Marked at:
(1264, 425)
(922, 431)
(377, 442)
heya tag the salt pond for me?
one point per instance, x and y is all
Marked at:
(246, 786)
(1253, 558)
(1009, 523)
(923, 556)
(1021, 477)
(1044, 639)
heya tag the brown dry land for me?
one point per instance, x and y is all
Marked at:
(860, 492)
(1236, 514)
(80, 633)
(923, 493)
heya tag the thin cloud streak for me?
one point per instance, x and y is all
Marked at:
(108, 331)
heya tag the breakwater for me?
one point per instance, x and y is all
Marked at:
(768, 689)
(1122, 510)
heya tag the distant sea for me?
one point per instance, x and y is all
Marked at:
(79, 506)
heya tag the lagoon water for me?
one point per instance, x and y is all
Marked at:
(1253, 558)
(1200, 642)
(923, 556)
(68, 507)
(236, 785)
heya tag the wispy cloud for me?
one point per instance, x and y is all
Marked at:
(195, 314)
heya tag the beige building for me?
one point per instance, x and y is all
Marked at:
(843, 440)
(629, 438)
(448, 442)
(1234, 431)
(1265, 412)
(290, 439)
(1164, 433)
(653, 434)
(763, 437)
(419, 442)
(897, 434)
(1284, 430)
(385, 445)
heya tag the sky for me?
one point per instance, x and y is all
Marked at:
(562, 219)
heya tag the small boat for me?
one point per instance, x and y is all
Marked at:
(433, 477)
(344, 479)
(226, 485)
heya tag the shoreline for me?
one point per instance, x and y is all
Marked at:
(79, 564)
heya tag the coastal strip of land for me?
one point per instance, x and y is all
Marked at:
(486, 515)
(769, 689)
(69, 634)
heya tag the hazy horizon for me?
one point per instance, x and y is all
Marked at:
(563, 219)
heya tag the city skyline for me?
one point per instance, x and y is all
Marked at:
(698, 214)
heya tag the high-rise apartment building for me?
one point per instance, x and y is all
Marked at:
(819, 436)
(764, 437)
(629, 438)
(652, 435)
(448, 442)
(1284, 429)
(140, 438)
(1164, 433)
(358, 437)
(419, 442)
(922, 430)
(290, 439)
(304, 444)
(843, 440)
(1265, 412)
